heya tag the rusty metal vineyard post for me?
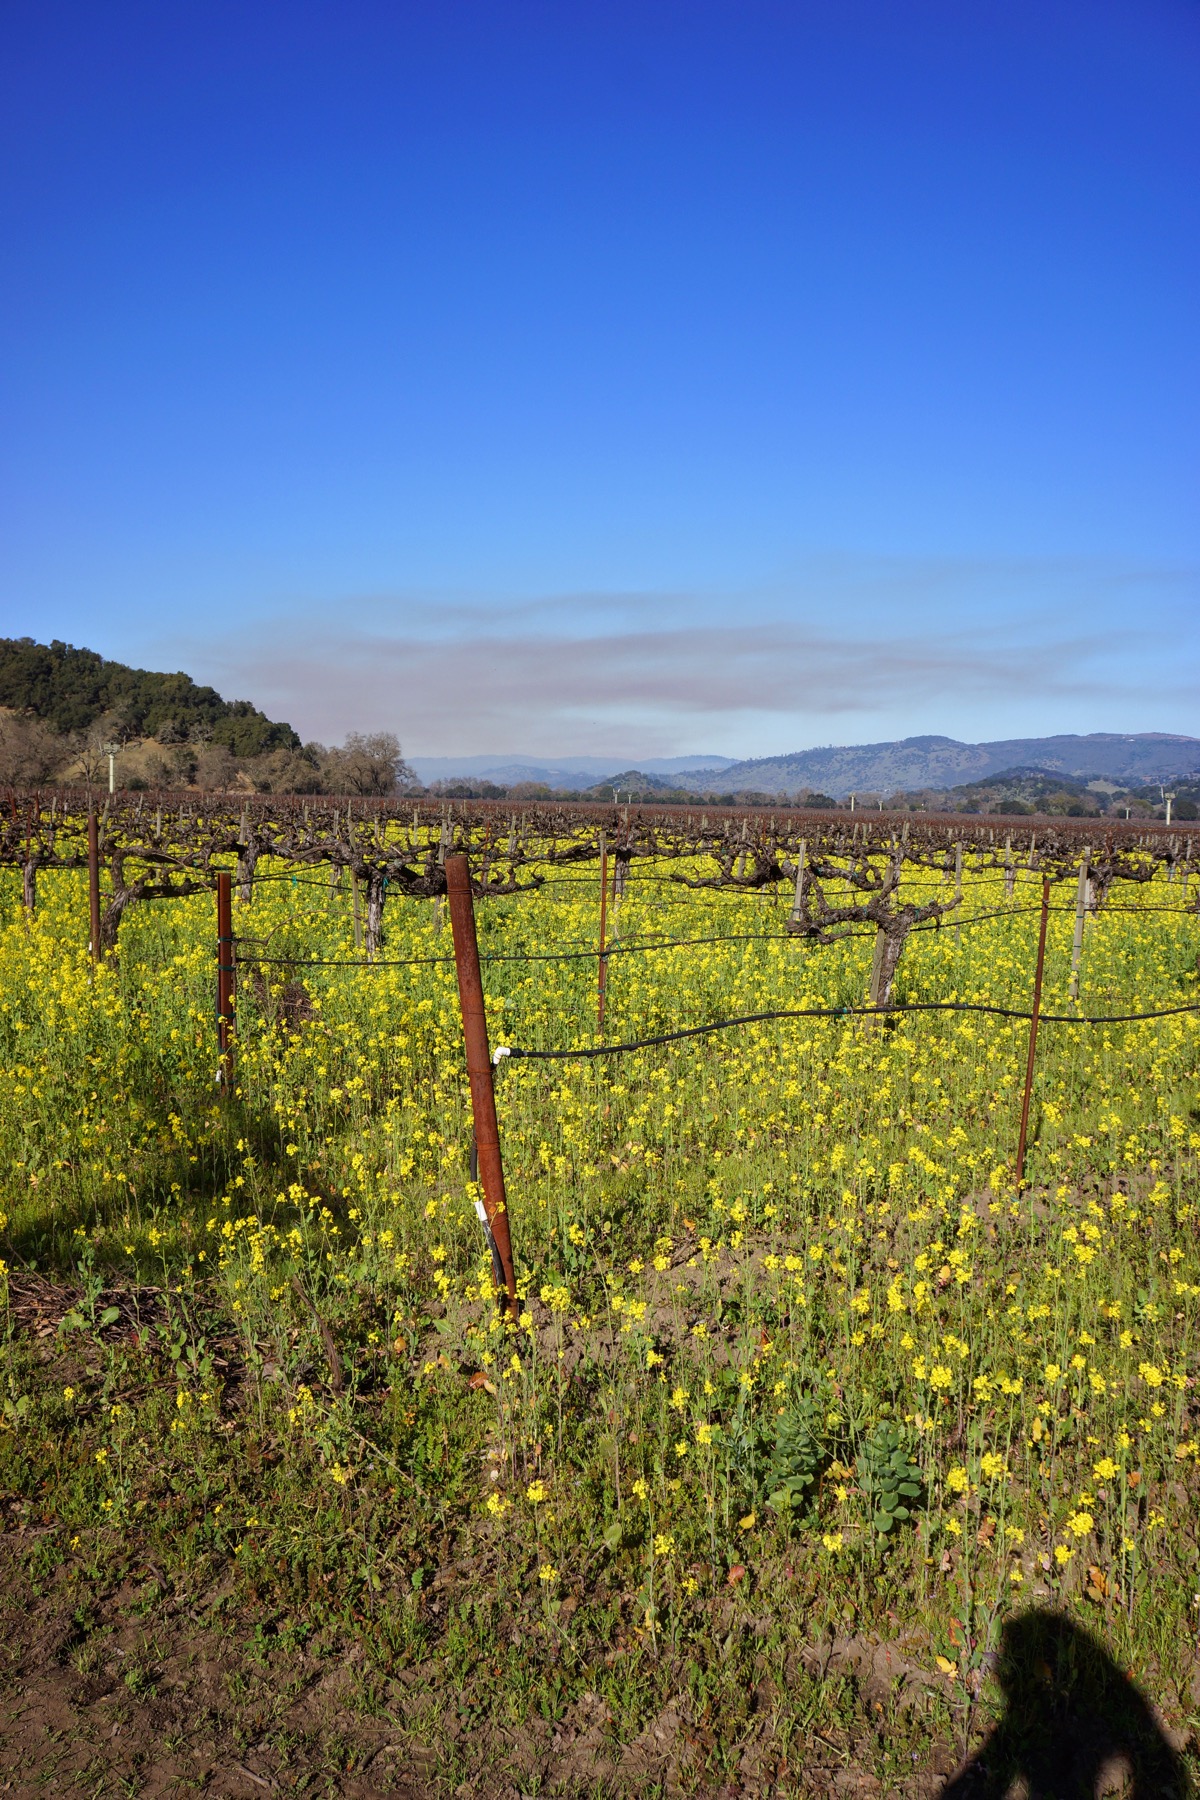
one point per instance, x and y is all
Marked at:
(479, 1068)
(1033, 1032)
(226, 972)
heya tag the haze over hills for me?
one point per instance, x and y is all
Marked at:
(1124, 758)
(564, 772)
(55, 699)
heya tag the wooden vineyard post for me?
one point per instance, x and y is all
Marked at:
(602, 971)
(958, 891)
(225, 982)
(740, 865)
(479, 1069)
(94, 882)
(1033, 1031)
(798, 896)
(29, 871)
(443, 846)
(247, 858)
(357, 901)
(1080, 910)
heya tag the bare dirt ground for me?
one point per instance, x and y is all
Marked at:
(128, 1694)
(156, 1705)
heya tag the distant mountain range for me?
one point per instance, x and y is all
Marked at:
(578, 772)
(1128, 759)
(1123, 758)
(57, 695)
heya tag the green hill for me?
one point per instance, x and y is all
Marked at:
(72, 689)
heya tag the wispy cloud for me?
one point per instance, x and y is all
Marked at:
(547, 692)
(856, 646)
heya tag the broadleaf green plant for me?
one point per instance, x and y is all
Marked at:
(888, 1476)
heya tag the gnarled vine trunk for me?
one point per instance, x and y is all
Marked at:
(376, 883)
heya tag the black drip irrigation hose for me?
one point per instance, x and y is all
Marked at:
(512, 1051)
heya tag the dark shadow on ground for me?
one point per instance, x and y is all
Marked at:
(1074, 1726)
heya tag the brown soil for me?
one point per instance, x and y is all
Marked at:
(158, 1705)
(130, 1694)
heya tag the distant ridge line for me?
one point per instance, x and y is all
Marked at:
(1130, 759)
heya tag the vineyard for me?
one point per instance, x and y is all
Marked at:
(687, 1385)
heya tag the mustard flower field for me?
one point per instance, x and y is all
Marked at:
(799, 1374)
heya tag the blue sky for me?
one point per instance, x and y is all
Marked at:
(582, 378)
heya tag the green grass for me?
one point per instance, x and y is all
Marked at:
(308, 1410)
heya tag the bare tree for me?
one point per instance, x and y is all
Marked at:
(216, 769)
(368, 763)
(30, 752)
(289, 771)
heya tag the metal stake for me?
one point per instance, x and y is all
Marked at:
(225, 981)
(798, 896)
(94, 882)
(602, 975)
(1033, 1031)
(1080, 910)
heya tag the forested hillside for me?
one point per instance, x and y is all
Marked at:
(71, 690)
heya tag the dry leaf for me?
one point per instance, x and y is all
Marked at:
(1097, 1583)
